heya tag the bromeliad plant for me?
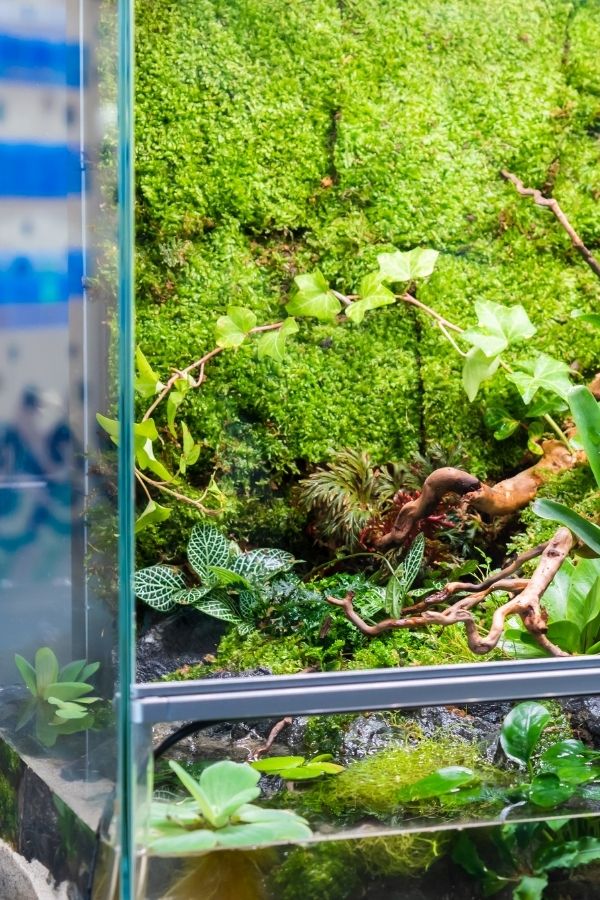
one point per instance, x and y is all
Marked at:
(564, 770)
(233, 586)
(60, 701)
(219, 814)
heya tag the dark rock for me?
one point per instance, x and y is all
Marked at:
(166, 643)
(584, 713)
(366, 735)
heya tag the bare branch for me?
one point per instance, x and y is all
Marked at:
(553, 205)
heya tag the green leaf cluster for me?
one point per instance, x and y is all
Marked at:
(219, 813)
(233, 585)
(59, 696)
(297, 768)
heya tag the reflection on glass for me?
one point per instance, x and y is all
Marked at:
(57, 483)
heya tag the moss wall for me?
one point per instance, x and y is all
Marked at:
(274, 137)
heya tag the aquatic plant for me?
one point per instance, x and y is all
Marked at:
(297, 768)
(219, 813)
(59, 701)
(565, 769)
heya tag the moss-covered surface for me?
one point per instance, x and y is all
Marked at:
(273, 138)
(11, 769)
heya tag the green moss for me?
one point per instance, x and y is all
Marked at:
(336, 869)
(369, 786)
(10, 772)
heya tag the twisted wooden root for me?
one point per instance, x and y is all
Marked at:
(524, 602)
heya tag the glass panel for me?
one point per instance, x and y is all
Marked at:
(58, 467)
(361, 776)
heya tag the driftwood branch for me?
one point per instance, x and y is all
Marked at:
(525, 602)
(553, 205)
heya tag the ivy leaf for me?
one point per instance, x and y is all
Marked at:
(147, 382)
(313, 298)
(231, 330)
(273, 343)
(144, 433)
(372, 294)
(501, 421)
(152, 513)
(191, 450)
(545, 373)
(477, 368)
(399, 266)
(110, 426)
(498, 326)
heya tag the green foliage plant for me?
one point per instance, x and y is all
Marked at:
(60, 701)
(297, 768)
(525, 854)
(565, 769)
(234, 586)
(219, 813)
(572, 603)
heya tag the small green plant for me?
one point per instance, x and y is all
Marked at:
(219, 813)
(586, 413)
(572, 603)
(565, 769)
(234, 586)
(527, 853)
(297, 768)
(59, 697)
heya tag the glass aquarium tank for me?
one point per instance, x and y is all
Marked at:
(301, 578)
(367, 459)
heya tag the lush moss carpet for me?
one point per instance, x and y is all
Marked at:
(276, 136)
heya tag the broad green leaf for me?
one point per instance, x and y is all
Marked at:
(313, 298)
(144, 434)
(406, 266)
(545, 373)
(530, 887)
(586, 413)
(224, 577)
(207, 547)
(250, 813)
(157, 585)
(582, 528)
(67, 710)
(46, 669)
(183, 842)
(568, 855)
(88, 671)
(72, 671)
(220, 606)
(152, 513)
(27, 673)
(548, 791)
(566, 635)
(147, 382)
(498, 327)
(226, 786)
(567, 753)
(275, 763)
(465, 854)
(438, 783)
(273, 343)
(519, 644)
(372, 295)
(556, 596)
(256, 834)
(592, 318)
(110, 426)
(231, 330)
(477, 368)
(67, 690)
(500, 421)
(521, 730)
